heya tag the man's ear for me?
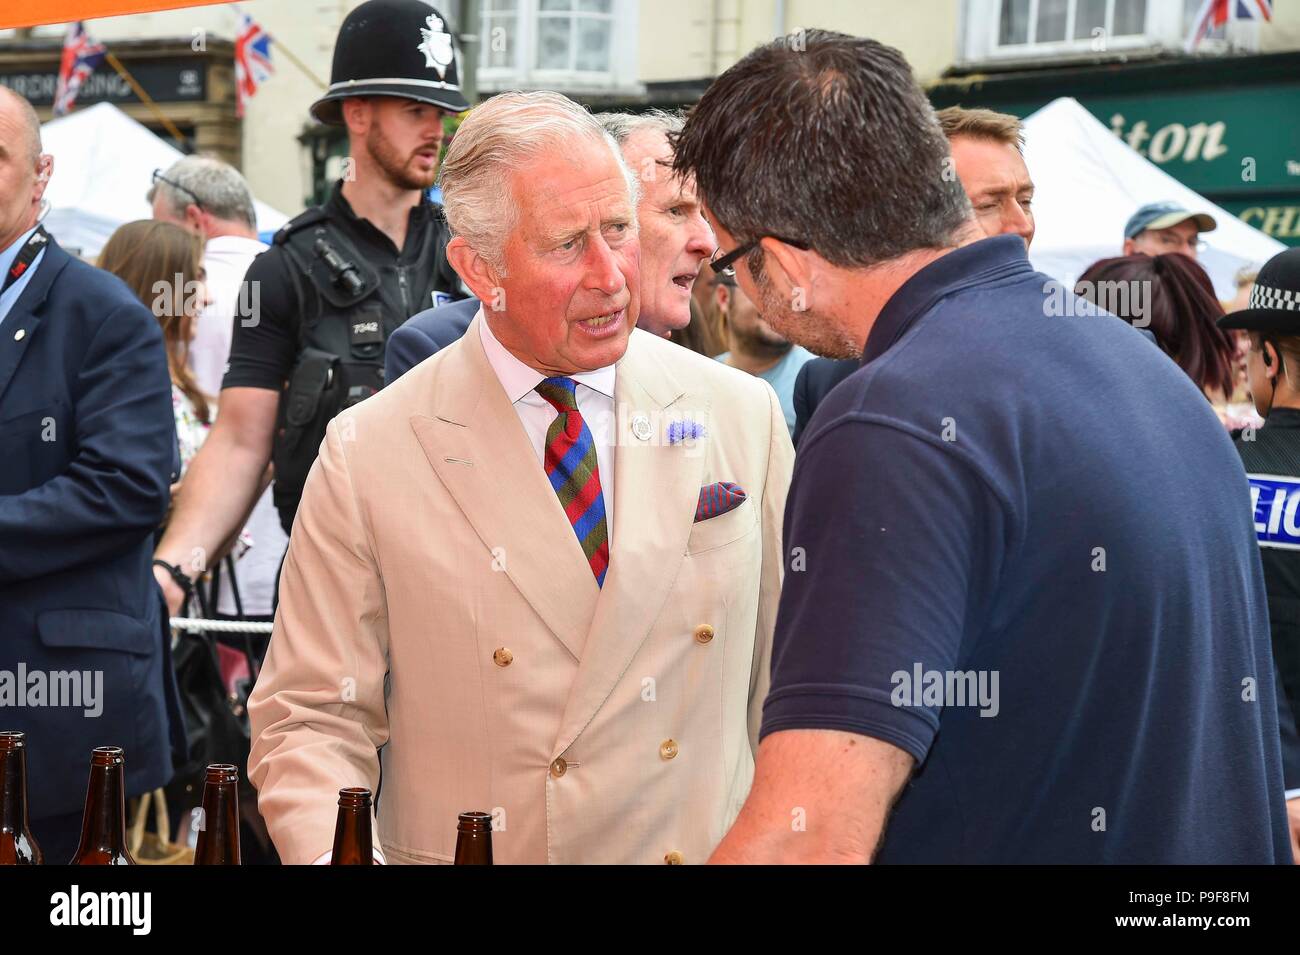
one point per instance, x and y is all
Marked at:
(722, 297)
(44, 170)
(356, 114)
(1130, 246)
(789, 270)
(476, 272)
(196, 220)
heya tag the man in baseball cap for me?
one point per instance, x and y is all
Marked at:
(1271, 456)
(1160, 227)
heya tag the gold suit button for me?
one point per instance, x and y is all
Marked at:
(559, 767)
(503, 657)
(674, 858)
(703, 633)
(668, 749)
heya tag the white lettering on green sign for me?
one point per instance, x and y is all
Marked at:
(1199, 141)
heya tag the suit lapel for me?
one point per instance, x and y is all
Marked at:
(656, 488)
(26, 316)
(476, 444)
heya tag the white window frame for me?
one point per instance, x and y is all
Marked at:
(1163, 32)
(524, 74)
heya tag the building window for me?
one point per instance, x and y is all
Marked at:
(1002, 30)
(500, 34)
(574, 35)
(1053, 22)
(569, 45)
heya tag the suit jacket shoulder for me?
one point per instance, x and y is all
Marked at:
(444, 324)
(61, 274)
(696, 372)
(425, 334)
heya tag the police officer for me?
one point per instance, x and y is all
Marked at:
(318, 307)
(1271, 455)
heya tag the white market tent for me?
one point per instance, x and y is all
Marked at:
(1087, 182)
(103, 161)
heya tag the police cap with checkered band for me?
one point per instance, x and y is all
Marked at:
(1275, 299)
(393, 48)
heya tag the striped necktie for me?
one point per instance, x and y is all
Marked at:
(571, 466)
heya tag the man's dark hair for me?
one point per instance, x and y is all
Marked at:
(825, 139)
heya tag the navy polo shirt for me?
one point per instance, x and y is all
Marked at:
(1020, 548)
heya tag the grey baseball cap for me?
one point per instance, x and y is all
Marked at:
(1163, 215)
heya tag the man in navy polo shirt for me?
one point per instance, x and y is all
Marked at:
(1023, 617)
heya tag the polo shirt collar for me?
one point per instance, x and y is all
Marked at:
(519, 380)
(233, 245)
(970, 265)
(338, 206)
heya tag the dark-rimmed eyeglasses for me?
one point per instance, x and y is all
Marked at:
(159, 177)
(726, 264)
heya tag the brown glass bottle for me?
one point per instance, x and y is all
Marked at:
(474, 839)
(352, 842)
(17, 847)
(218, 842)
(103, 827)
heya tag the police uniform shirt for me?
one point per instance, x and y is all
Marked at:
(1271, 455)
(264, 347)
(1048, 602)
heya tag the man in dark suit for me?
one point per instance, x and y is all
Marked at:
(813, 383)
(426, 334)
(89, 449)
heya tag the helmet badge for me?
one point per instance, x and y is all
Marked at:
(436, 46)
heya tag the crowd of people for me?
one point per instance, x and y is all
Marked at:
(514, 479)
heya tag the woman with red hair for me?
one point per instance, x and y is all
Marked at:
(1171, 296)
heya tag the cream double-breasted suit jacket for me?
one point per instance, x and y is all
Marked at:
(439, 628)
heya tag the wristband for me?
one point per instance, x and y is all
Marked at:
(182, 579)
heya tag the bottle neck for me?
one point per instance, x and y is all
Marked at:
(352, 840)
(103, 827)
(13, 791)
(218, 842)
(473, 845)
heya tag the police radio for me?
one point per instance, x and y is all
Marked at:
(343, 272)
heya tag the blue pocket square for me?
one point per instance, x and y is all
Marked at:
(717, 499)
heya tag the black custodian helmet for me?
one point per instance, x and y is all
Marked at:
(393, 48)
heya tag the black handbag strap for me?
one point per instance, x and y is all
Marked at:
(209, 597)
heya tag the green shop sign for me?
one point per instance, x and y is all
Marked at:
(1231, 143)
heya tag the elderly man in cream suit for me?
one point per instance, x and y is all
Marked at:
(537, 576)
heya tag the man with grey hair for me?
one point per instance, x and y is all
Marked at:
(537, 575)
(205, 195)
(211, 199)
(675, 244)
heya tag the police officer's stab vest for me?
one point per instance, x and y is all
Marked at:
(1271, 456)
(349, 309)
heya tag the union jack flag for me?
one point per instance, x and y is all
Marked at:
(80, 57)
(1216, 13)
(252, 59)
